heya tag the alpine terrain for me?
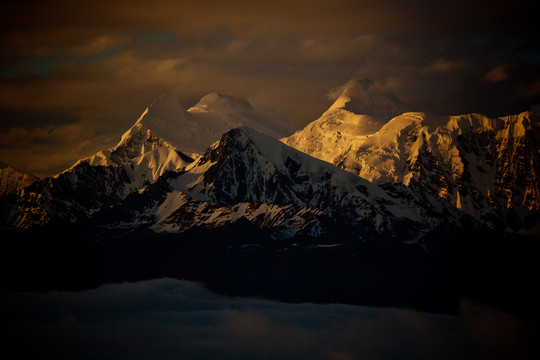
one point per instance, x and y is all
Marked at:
(370, 204)
(12, 179)
(486, 167)
(150, 148)
(251, 176)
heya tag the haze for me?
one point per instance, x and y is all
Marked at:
(76, 75)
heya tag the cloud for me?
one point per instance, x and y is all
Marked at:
(168, 319)
(113, 58)
(98, 45)
(36, 149)
(531, 90)
(444, 66)
(30, 117)
(498, 73)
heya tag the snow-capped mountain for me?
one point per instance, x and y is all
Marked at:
(366, 97)
(192, 131)
(361, 109)
(216, 113)
(417, 172)
(167, 138)
(69, 197)
(12, 179)
(252, 210)
(486, 167)
(149, 149)
(251, 176)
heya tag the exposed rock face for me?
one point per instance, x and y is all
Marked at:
(69, 197)
(380, 178)
(12, 179)
(250, 176)
(486, 167)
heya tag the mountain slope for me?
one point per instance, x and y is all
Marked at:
(192, 131)
(149, 147)
(108, 176)
(486, 167)
(250, 176)
(361, 109)
(366, 97)
(148, 150)
(66, 198)
(217, 113)
(165, 133)
(12, 179)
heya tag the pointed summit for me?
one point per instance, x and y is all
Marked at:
(150, 147)
(192, 131)
(247, 174)
(217, 113)
(166, 137)
(361, 108)
(12, 179)
(166, 107)
(366, 97)
(165, 118)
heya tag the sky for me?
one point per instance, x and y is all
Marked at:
(76, 75)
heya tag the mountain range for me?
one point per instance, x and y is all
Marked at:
(486, 167)
(368, 167)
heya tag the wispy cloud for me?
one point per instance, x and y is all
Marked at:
(114, 58)
(176, 319)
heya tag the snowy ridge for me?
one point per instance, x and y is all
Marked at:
(162, 136)
(12, 180)
(143, 156)
(486, 167)
(165, 210)
(192, 131)
(147, 151)
(246, 177)
(346, 173)
(366, 97)
(252, 177)
(361, 109)
(259, 162)
(69, 197)
(281, 221)
(149, 148)
(216, 113)
(179, 213)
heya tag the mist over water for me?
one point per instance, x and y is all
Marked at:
(174, 319)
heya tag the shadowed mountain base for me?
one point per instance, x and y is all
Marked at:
(239, 262)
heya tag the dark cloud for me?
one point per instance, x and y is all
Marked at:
(28, 117)
(113, 58)
(165, 319)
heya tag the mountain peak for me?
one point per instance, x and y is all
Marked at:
(219, 102)
(164, 104)
(362, 107)
(151, 146)
(217, 113)
(247, 165)
(12, 179)
(366, 97)
(165, 123)
(164, 118)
